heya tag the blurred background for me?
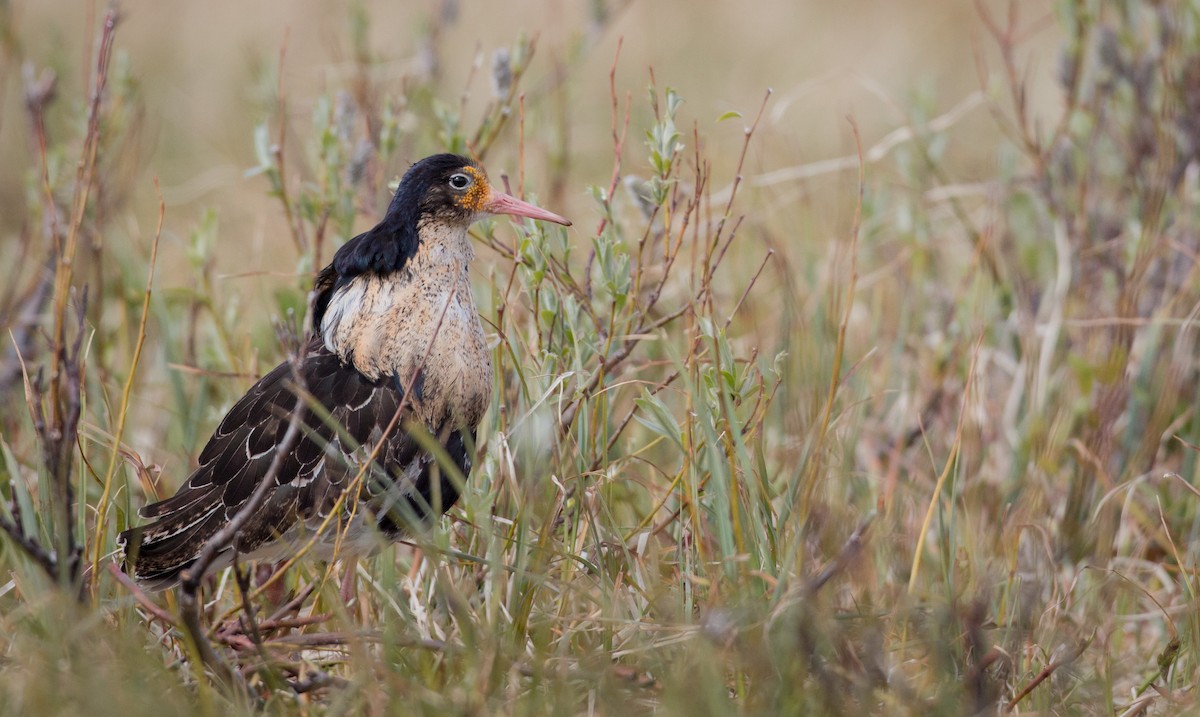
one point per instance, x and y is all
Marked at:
(918, 443)
(215, 75)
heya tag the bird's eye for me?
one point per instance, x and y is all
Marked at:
(460, 181)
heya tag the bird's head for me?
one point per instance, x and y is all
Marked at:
(438, 198)
(454, 190)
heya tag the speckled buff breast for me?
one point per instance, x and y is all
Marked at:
(422, 317)
(398, 348)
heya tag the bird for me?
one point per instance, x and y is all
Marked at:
(394, 329)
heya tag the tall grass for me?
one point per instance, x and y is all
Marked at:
(941, 462)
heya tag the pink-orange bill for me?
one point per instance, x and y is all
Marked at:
(501, 203)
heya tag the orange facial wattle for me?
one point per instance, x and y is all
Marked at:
(476, 196)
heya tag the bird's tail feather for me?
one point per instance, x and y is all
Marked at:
(156, 554)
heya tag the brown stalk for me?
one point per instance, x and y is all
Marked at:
(845, 556)
(140, 595)
(295, 225)
(84, 174)
(495, 120)
(56, 411)
(1047, 671)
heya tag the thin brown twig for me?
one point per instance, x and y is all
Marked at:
(32, 548)
(495, 120)
(66, 249)
(59, 434)
(618, 139)
(753, 281)
(737, 179)
(618, 148)
(23, 315)
(1047, 671)
(293, 606)
(140, 595)
(294, 222)
(242, 577)
(56, 412)
(317, 680)
(520, 146)
(845, 556)
(294, 622)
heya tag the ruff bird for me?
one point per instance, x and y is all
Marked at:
(392, 312)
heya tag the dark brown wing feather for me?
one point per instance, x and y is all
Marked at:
(406, 484)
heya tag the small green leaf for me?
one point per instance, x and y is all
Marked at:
(729, 115)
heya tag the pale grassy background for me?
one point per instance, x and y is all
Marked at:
(1017, 366)
(825, 61)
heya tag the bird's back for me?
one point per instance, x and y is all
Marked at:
(351, 414)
